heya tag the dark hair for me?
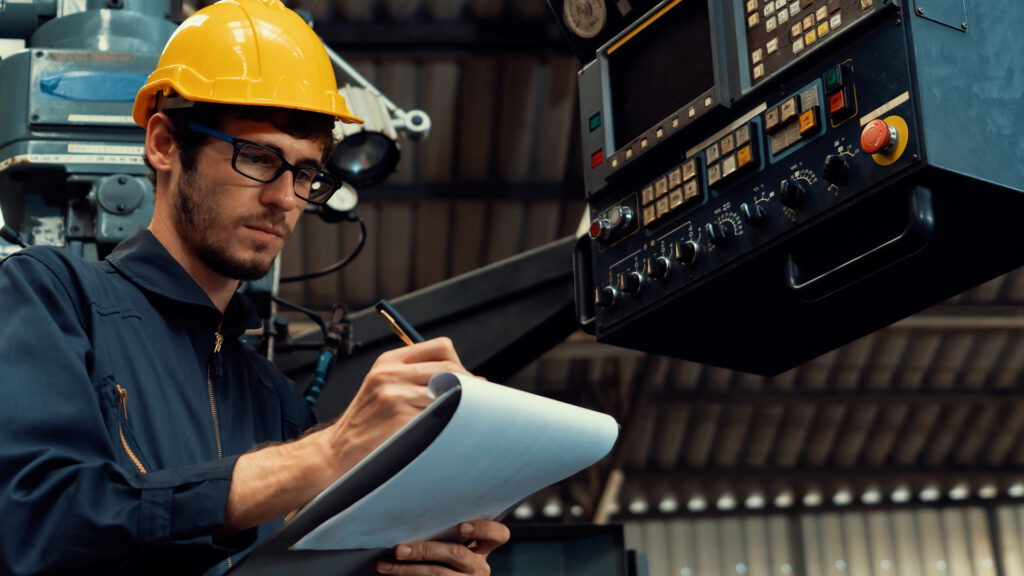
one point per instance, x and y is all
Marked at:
(298, 123)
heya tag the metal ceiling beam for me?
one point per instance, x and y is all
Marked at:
(486, 190)
(433, 37)
(912, 477)
(891, 396)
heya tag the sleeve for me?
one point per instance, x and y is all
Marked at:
(66, 505)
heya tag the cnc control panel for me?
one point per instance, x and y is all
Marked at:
(766, 156)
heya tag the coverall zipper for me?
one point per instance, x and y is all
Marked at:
(217, 343)
(122, 398)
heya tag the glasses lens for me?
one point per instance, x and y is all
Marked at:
(314, 185)
(258, 162)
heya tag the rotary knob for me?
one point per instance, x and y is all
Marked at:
(836, 169)
(606, 296)
(633, 283)
(719, 234)
(661, 268)
(791, 193)
(753, 213)
(687, 253)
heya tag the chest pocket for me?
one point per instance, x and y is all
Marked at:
(113, 398)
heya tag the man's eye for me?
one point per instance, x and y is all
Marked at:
(257, 158)
(304, 177)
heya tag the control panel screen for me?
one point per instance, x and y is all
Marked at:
(660, 66)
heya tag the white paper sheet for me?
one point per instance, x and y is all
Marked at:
(500, 446)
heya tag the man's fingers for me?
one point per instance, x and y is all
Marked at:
(487, 535)
(425, 557)
(434, 349)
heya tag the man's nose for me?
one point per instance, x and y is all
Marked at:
(281, 192)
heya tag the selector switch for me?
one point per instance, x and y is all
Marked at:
(633, 283)
(661, 268)
(719, 235)
(687, 253)
(791, 194)
(606, 296)
(753, 213)
(836, 169)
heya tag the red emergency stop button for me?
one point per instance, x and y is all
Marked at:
(878, 137)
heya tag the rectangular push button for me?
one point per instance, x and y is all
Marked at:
(661, 187)
(809, 122)
(595, 121)
(788, 110)
(647, 195)
(675, 178)
(771, 120)
(689, 169)
(675, 199)
(690, 191)
(744, 157)
(597, 158)
(650, 215)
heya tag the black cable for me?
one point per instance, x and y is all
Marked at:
(311, 313)
(337, 265)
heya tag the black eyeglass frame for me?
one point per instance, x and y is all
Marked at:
(333, 183)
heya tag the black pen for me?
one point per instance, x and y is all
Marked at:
(401, 327)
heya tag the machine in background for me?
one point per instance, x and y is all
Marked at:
(71, 168)
(770, 179)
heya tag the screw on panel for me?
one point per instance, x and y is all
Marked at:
(920, 11)
(963, 25)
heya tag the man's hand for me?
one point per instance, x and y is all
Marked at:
(393, 393)
(270, 482)
(448, 558)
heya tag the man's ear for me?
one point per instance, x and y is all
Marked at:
(161, 148)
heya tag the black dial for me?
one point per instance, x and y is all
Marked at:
(719, 234)
(836, 169)
(688, 253)
(791, 193)
(753, 213)
(661, 268)
(633, 283)
(606, 297)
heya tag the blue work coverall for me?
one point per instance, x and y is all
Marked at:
(125, 400)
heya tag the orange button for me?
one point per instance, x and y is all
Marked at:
(876, 137)
(809, 121)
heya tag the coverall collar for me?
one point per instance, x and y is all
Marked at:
(143, 260)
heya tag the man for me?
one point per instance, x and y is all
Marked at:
(130, 408)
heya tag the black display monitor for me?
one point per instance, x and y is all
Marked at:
(660, 66)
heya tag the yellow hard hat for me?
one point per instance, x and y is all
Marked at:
(250, 52)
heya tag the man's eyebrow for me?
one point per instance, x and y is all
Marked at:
(308, 162)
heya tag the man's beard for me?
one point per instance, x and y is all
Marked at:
(196, 224)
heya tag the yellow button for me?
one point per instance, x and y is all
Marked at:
(823, 29)
(810, 38)
(744, 156)
(808, 121)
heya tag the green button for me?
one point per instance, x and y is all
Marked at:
(833, 80)
(595, 121)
